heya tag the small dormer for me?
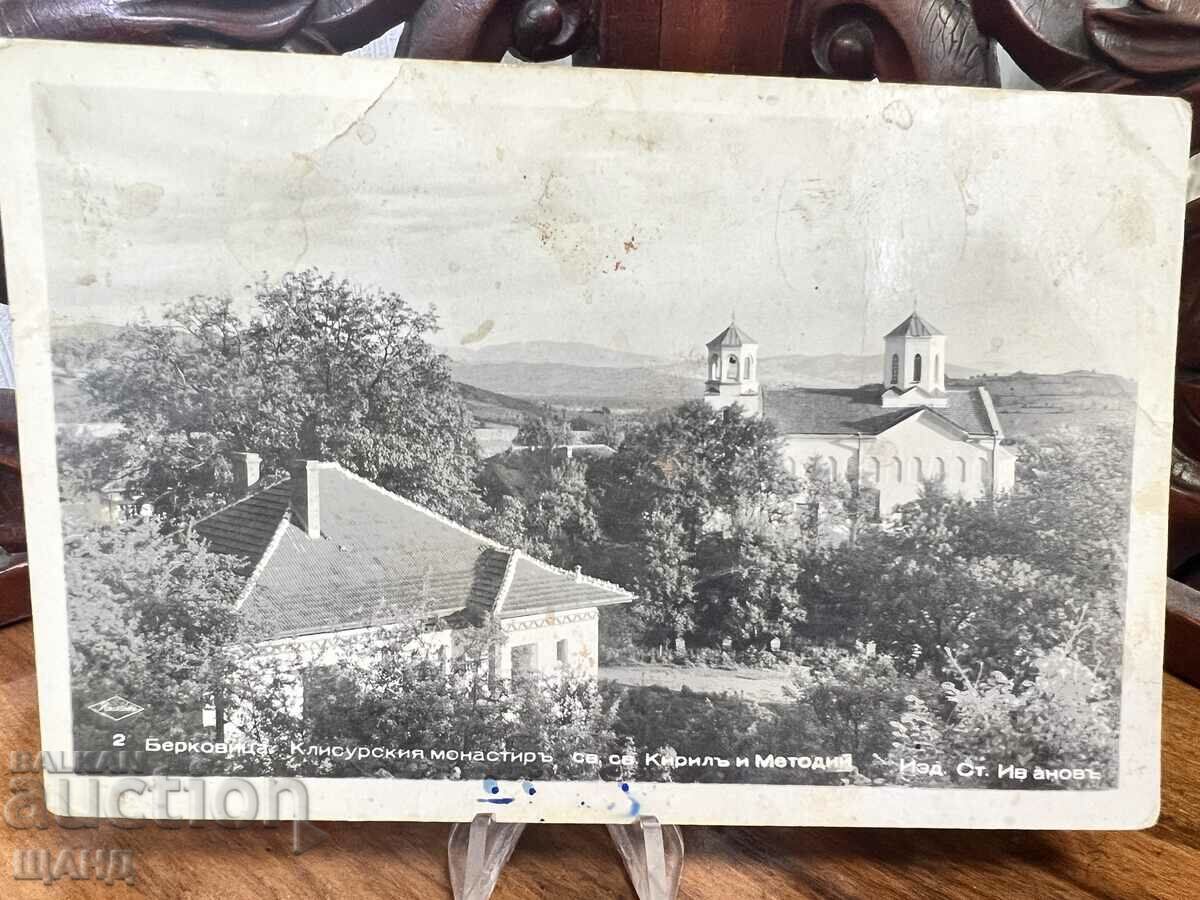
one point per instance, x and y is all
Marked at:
(914, 365)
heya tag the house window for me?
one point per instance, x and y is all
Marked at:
(560, 651)
(937, 369)
(833, 469)
(524, 659)
(714, 367)
(917, 367)
(733, 367)
(962, 469)
(939, 469)
(898, 468)
(917, 470)
(895, 368)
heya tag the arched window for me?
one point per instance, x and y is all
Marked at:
(791, 466)
(874, 470)
(984, 474)
(833, 469)
(937, 370)
(962, 469)
(714, 367)
(918, 471)
(733, 367)
(898, 469)
(939, 469)
(749, 367)
(895, 368)
(917, 367)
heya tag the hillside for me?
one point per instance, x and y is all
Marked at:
(490, 408)
(582, 386)
(575, 353)
(585, 376)
(830, 370)
(1030, 404)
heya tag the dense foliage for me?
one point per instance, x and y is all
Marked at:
(321, 370)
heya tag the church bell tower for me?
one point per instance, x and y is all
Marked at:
(914, 365)
(733, 372)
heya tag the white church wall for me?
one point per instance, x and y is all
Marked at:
(899, 461)
(836, 453)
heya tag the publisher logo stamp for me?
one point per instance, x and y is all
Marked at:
(116, 708)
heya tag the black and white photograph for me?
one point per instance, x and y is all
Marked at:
(400, 438)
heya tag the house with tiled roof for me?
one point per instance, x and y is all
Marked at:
(327, 554)
(892, 436)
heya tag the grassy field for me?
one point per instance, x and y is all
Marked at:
(762, 685)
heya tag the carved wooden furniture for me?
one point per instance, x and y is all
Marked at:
(1145, 46)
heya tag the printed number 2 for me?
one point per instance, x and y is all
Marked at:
(118, 740)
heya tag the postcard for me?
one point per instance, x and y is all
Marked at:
(426, 439)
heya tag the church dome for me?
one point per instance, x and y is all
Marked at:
(731, 337)
(914, 326)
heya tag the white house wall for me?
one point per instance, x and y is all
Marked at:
(540, 635)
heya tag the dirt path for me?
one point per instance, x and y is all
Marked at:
(763, 685)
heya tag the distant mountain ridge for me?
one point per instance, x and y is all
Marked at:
(573, 373)
(576, 353)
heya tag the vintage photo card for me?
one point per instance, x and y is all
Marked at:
(572, 445)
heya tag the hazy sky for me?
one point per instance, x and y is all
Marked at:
(822, 227)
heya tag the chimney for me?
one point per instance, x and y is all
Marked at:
(245, 471)
(306, 495)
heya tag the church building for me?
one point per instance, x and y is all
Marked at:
(893, 436)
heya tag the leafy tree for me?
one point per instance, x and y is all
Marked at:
(508, 522)
(320, 369)
(751, 594)
(550, 515)
(837, 508)
(846, 699)
(707, 466)
(610, 431)
(1065, 716)
(540, 435)
(562, 517)
(670, 491)
(152, 618)
(665, 581)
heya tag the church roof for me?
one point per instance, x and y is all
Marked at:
(378, 555)
(914, 326)
(857, 410)
(731, 337)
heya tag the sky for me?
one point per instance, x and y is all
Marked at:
(821, 225)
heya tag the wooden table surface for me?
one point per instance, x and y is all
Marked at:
(399, 861)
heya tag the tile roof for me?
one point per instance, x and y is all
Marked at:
(731, 337)
(537, 586)
(379, 557)
(913, 326)
(245, 529)
(851, 411)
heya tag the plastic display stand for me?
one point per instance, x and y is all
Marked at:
(478, 850)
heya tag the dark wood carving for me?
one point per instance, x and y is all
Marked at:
(1144, 46)
(927, 41)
